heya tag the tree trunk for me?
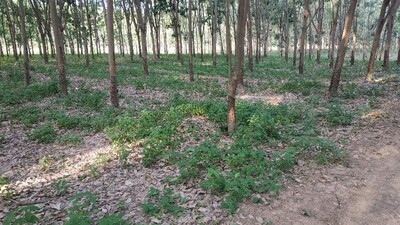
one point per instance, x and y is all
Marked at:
(319, 29)
(342, 49)
(303, 36)
(111, 54)
(333, 31)
(201, 31)
(286, 31)
(398, 52)
(354, 41)
(191, 75)
(89, 19)
(142, 22)
(239, 51)
(41, 29)
(381, 21)
(389, 28)
(214, 32)
(11, 27)
(295, 33)
(27, 76)
(249, 38)
(84, 33)
(128, 26)
(55, 22)
(228, 40)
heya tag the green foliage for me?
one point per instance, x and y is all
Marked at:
(26, 115)
(113, 219)
(86, 98)
(61, 185)
(43, 134)
(83, 204)
(162, 202)
(22, 215)
(337, 115)
(300, 85)
(123, 156)
(3, 180)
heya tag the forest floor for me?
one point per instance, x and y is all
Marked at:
(365, 190)
(164, 157)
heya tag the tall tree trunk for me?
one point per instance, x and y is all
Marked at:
(335, 16)
(286, 31)
(27, 76)
(142, 22)
(191, 75)
(257, 23)
(213, 3)
(201, 30)
(84, 33)
(11, 27)
(228, 40)
(354, 41)
(398, 52)
(111, 54)
(389, 28)
(342, 49)
(319, 29)
(55, 22)
(239, 51)
(381, 21)
(41, 29)
(165, 41)
(295, 33)
(303, 36)
(176, 28)
(249, 38)
(89, 19)
(129, 29)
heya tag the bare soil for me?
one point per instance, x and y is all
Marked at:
(364, 190)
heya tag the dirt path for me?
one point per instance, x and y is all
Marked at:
(364, 192)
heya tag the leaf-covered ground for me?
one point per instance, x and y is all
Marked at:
(165, 156)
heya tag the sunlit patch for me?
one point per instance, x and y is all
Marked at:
(374, 114)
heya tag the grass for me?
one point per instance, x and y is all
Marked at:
(268, 142)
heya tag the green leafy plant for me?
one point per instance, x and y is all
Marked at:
(70, 139)
(83, 204)
(61, 185)
(43, 134)
(3, 180)
(113, 219)
(22, 215)
(162, 201)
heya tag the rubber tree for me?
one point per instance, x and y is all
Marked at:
(111, 54)
(342, 49)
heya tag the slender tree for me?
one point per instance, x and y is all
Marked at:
(191, 75)
(389, 32)
(249, 38)
(354, 41)
(295, 38)
(342, 49)
(319, 29)
(213, 3)
(332, 37)
(381, 21)
(142, 22)
(303, 36)
(11, 27)
(239, 50)
(111, 54)
(24, 41)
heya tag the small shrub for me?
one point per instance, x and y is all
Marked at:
(26, 115)
(43, 134)
(161, 202)
(22, 215)
(337, 115)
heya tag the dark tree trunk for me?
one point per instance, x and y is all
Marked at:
(55, 22)
(142, 22)
(41, 29)
(303, 36)
(27, 77)
(89, 21)
(84, 33)
(295, 33)
(342, 49)
(11, 27)
(319, 29)
(354, 41)
(111, 54)
(333, 31)
(286, 31)
(381, 21)
(191, 75)
(389, 28)
(128, 26)
(249, 38)
(239, 51)
(214, 31)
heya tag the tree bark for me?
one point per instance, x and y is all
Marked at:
(59, 45)
(332, 36)
(381, 21)
(389, 28)
(191, 75)
(239, 51)
(214, 32)
(342, 49)
(286, 31)
(295, 33)
(129, 29)
(249, 38)
(11, 27)
(303, 36)
(27, 76)
(111, 54)
(319, 29)
(354, 41)
(84, 33)
(142, 22)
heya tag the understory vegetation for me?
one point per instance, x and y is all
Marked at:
(174, 122)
